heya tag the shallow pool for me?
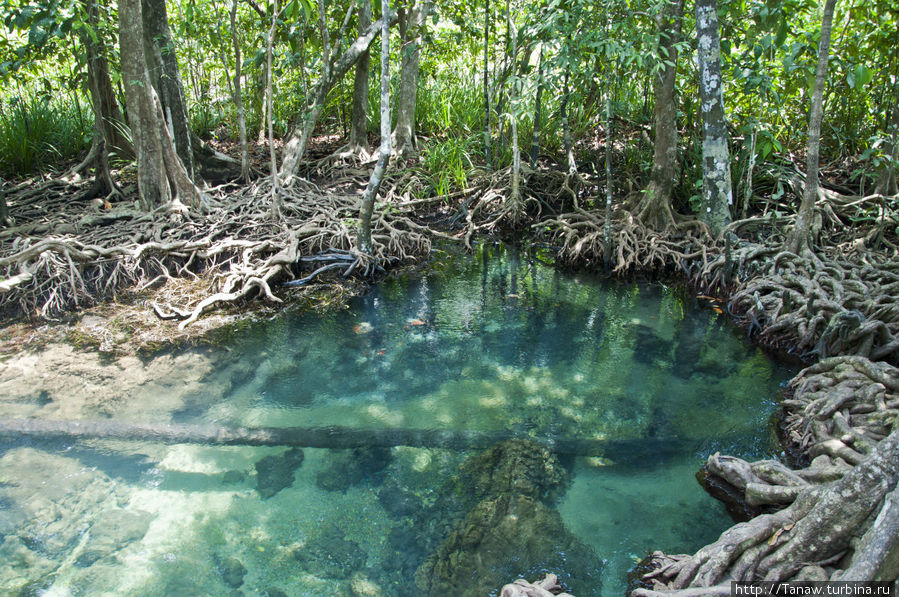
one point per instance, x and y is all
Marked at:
(496, 344)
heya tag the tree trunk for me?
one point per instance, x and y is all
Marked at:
(654, 209)
(377, 175)
(886, 181)
(359, 119)
(487, 133)
(161, 176)
(108, 119)
(535, 137)
(296, 145)
(238, 96)
(411, 52)
(515, 194)
(4, 208)
(566, 127)
(607, 228)
(162, 64)
(269, 110)
(334, 437)
(799, 239)
(717, 195)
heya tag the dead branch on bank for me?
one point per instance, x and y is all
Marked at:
(831, 525)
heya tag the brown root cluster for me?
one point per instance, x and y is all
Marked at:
(634, 247)
(65, 252)
(833, 520)
(841, 407)
(815, 306)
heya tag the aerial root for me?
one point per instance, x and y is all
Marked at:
(822, 521)
(69, 258)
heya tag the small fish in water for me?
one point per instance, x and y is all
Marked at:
(417, 322)
(363, 328)
(717, 310)
(381, 353)
(511, 295)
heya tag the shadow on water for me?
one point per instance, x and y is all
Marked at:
(498, 344)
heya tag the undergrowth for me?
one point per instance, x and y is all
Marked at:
(37, 130)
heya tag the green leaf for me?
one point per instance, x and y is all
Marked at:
(782, 32)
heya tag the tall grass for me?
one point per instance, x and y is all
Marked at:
(448, 163)
(38, 132)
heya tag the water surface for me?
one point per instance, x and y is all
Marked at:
(497, 342)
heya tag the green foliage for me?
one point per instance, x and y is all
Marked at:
(37, 130)
(448, 163)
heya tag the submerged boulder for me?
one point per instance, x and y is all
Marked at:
(275, 472)
(331, 555)
(354, 467)
(508, 528)
(113, 530)
(232, 571)
(517, 467)
(506, 537)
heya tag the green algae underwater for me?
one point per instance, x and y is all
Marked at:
(500, 341)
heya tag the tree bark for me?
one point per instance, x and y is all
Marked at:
(566, 126)
(162, 64)
(4, 208)
(487, 134)
(296, 145)
(654, 209)
(538, 108)
(799, 239)
(377, 175)
(238, 96)
(161, 176)
(886, 181)
(607, 227)
(515, 194)
(411, 52)
(269, 110)
(108, 119)
(717, 194)
(359, 119)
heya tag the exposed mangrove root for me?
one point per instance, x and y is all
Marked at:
(837, 412)
(62, 255)
(842, 407)
(831, 524)
(635, 247)
(548, 587)
(817, 306)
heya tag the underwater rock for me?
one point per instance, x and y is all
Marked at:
(519, 467)
(112, 531)
(362, 586)
(232, 571)
(48, 501)
(398, 501)
(353, 467)
(507, 528)
(233, 477)
(505, 537)
(331, 555)
(275, 472)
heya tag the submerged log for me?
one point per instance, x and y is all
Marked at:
(333, 437)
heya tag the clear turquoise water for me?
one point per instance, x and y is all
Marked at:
(497, 342)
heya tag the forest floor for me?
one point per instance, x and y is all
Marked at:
(123, 281)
